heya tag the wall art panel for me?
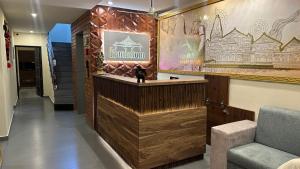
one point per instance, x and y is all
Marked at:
(247, 39)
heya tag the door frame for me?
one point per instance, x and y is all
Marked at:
(39, 48)
(80, 74)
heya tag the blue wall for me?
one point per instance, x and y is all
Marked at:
(60, 33)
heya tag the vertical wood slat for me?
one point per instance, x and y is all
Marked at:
(145, 99)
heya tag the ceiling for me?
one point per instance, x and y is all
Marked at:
(144, 5)
(49, 12)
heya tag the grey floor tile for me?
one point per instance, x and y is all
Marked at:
(41, 138)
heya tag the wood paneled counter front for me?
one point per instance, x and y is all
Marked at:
(154, 123)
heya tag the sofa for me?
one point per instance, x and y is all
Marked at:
(266, 144)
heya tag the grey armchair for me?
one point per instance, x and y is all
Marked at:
(267, 144)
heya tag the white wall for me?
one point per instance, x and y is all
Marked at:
(8, 85)
(251, 95)
(32, 39)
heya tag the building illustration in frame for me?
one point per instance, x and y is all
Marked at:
(260, 45)
(236, 48)
(126, 46)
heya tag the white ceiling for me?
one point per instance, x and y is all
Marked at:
(18, 12)
(144, 5)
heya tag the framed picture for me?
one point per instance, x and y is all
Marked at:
(126, 46)
(244, 39)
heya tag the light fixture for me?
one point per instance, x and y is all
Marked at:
(205, 17)
(152, 9)
(31, 31)
(34, 15)
(110, 2)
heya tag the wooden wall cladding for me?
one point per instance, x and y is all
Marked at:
(217, 101)
(151, 124)
(145, 99)
(168, 137)
(82, 26)
(119, 127)
(236, 114)
(151, 140)
(116, 19)
(217, 90)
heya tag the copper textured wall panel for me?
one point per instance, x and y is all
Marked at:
(91, 25)
(116, 19)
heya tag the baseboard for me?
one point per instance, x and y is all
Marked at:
(11, 121)
(63, 107)
(16, 103)
(51, 99)
(5, 138)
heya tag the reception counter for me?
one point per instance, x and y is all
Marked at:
(151, 124)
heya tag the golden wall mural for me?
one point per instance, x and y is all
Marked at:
(246, 39)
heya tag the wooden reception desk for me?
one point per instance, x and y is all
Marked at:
(151, 124)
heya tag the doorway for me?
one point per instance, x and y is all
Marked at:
(80, 75)
(29, 69)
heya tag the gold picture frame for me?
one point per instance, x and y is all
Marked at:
(274, 79)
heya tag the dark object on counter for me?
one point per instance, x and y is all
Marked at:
(140, 73)
(173, 77)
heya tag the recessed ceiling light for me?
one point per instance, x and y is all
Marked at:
(31, 31)
(110, 2)
(34, 15)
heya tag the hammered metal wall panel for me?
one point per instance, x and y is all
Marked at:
(107, 18)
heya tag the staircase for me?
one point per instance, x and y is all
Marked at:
(60, 60)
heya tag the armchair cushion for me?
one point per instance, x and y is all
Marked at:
(226, 136)
(292, 164)
(279, 128)
(258, 156)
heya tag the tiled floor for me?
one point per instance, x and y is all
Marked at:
(0, 155)
(28, 92)
(42, 138)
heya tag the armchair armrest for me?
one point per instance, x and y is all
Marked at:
(226, 136)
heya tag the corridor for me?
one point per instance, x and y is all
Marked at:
(42, 138)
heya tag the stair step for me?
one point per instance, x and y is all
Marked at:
(62, 52)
